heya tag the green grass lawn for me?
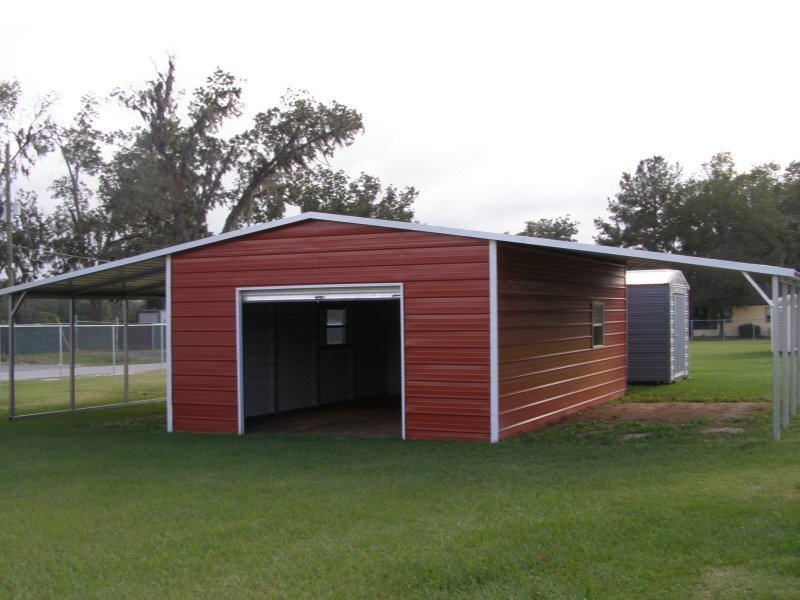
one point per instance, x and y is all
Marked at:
(108, 505)
(731, 371)
(43, 395)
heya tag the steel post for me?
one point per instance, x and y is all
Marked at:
(72, 344)
(125, 393)
(787, 328)
(11, 352)
(776, 391)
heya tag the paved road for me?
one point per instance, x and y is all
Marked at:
(23, 372)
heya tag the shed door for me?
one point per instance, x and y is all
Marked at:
(292, 351)
(681, 340)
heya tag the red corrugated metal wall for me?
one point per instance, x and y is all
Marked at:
(548, 368)
(446, 298)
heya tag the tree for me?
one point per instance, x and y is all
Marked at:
(732, 216)
(29, 137)
(170, 173)
(283, 140)
(720, 213)
(644, 210)
(28, 132)
(560, 228)
(789, 206)
(82, 235)
(324, 190)
(31, 257)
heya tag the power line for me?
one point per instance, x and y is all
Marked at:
(52, 253)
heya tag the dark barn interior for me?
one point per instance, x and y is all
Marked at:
(331, 367)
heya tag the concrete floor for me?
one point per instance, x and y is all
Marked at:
(356, 418)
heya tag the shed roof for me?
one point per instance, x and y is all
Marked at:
(654, 277)
(145, 274)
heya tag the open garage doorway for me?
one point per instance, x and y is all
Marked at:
(324, 360)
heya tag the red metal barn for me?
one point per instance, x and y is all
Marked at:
(459, 334)
(478, 339)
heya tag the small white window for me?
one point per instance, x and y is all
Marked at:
(598, 324)
(336, 326)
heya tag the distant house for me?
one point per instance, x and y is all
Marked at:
(757, 315)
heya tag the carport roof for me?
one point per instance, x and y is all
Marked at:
(145, 275)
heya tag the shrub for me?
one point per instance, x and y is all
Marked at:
(748, 330)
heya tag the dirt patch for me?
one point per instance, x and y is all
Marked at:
(669, 412)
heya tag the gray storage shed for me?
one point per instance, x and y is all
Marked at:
(658, 326)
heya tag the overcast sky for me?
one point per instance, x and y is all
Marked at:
(498, 112)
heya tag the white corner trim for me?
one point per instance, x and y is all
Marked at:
(494, 349)
(402, 363)
(168, 340)
(239, 364)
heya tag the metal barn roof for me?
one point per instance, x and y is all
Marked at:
(145, 275)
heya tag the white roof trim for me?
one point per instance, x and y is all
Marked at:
(654, 277)
(592, 249)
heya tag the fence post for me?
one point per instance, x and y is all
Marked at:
(125, 390)
(60, 351)
(114, 346)
(73, 342)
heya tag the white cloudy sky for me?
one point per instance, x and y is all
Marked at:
(498, 112)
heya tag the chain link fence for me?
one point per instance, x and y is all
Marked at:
(95, 343)
(42, 365)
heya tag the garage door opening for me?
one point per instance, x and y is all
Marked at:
(329, 365)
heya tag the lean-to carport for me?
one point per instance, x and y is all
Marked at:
(149, 275)
(137, 278)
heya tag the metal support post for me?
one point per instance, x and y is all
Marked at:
(72, 343)
(1, 353)
(796, 399)
(11, 348)
(787, 329)
(13, 307)
(60, 350)
(9, 220)
(793, 352)
(114, 347)
(125, 349)
(776, 391)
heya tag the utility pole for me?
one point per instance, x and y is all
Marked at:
(9, 220)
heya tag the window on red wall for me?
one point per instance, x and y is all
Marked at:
(598, 324)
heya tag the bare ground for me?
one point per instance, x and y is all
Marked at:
(669, 412)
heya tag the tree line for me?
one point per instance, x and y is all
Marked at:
(155, 184)
(749, 216)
